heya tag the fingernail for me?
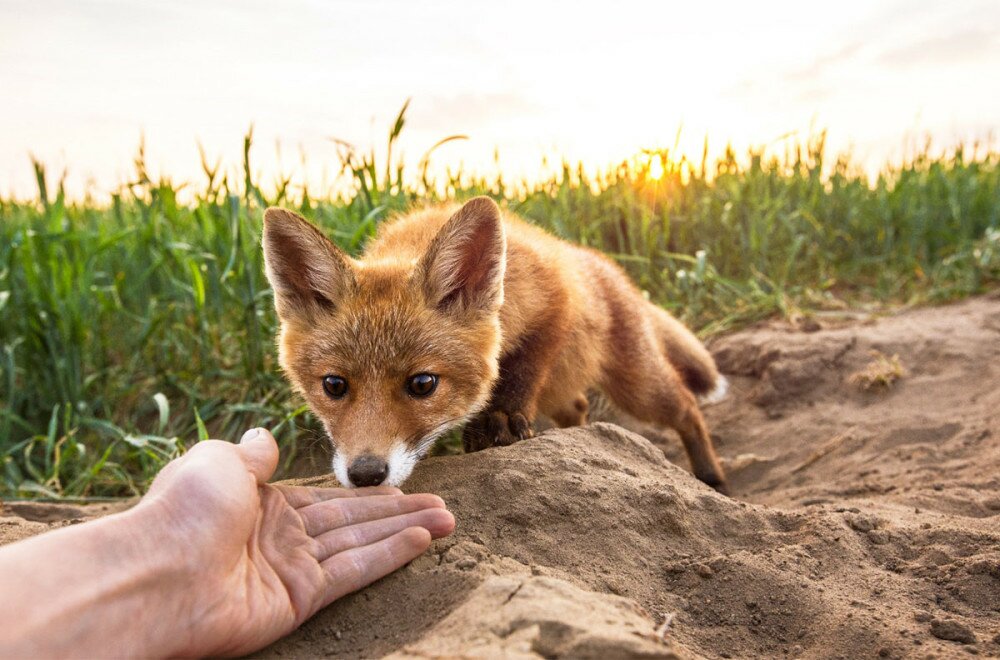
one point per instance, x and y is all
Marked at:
(251, 435)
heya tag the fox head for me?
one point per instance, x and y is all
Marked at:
(389, 353)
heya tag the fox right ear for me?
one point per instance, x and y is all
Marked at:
(306, 270)
(464, 265)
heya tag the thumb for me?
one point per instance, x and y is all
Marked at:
(260, 453)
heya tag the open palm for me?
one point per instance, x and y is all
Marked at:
(264, 558)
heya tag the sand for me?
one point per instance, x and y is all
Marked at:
(865, 523)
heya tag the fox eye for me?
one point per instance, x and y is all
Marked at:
(422, 384)
(335, 387)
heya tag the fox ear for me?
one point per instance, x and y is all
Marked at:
(464, 265)
(306, 270)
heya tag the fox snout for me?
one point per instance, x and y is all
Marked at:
(369, 467)
(367, 470)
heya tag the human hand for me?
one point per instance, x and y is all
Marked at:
(256, 560)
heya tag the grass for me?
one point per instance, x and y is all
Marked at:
(131, 329)
(879, 374)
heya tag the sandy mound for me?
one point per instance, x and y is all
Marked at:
(598, 509)
(865, 523)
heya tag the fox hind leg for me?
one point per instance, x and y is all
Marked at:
(654, 392)
(640, 380)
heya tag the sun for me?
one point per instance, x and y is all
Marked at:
(656, 169)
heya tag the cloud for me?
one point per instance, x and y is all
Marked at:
(472, 109)
(822, 64)
(956, 48)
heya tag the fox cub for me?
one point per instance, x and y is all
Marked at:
(459, 315)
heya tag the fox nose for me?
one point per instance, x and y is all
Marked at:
(368, 470)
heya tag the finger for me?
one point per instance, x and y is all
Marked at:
(300, 496)
(331, 514)
(260, 453)
(350, 570)
(439, 522)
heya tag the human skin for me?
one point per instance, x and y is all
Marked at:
(212, 561)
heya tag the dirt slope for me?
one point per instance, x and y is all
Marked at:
(865, 524)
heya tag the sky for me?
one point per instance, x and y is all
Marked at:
(82, 81)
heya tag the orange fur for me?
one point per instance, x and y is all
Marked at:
(514, 322)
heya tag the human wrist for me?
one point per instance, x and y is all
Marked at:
(148, 606)
(176, 591)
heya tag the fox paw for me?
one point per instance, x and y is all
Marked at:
(495, 428)
(717, 481)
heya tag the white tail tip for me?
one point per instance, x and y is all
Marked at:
(716, 395)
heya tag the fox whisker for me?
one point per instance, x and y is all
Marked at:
(427, 440)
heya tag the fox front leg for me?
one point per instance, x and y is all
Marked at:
(510, 413)
(495, 428)
(508, 416)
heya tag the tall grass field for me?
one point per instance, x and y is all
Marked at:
(131, 329)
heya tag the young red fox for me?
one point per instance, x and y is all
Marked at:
(457, 314)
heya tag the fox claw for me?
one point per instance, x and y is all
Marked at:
(716, 480)
(495, 428)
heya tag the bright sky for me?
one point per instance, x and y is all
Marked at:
(82, 80)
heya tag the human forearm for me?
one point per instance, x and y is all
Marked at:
(105, 588)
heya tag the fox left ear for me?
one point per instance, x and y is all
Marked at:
(464, 265)
(308, 273)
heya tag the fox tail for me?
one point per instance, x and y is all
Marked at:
(691, 359)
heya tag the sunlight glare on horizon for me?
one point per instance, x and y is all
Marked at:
(590, 82)
(656, 170)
